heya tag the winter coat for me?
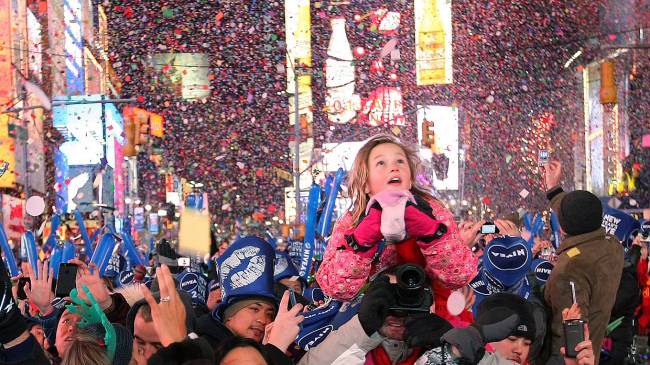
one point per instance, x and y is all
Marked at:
(594, 262)
(343, 273)
(29, 352)
(442, 356)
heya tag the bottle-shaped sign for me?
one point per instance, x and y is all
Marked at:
(339, 76)
(429, 43)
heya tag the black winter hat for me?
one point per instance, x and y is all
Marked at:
(580, 212)
(511, 303)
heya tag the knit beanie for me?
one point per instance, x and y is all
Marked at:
(512, 304)
(235, 307)
(123, 341)
(580, 212)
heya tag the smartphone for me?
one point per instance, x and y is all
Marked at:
(574, 329)
(66, 281)
(542, 159)
(292, 298)
(489, 228)
(21, 285)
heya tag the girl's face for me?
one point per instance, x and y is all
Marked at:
(388, 169)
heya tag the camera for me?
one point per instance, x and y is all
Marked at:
(413, 295)
(489, 228)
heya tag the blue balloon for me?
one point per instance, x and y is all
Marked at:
(9, 254)
(329, 180)
(55, 259)
(326, 217)
(84, 233)
(310, 231)
(29, 243)
(51, 239)
(132, 253)
(103, 252)
(68, 252)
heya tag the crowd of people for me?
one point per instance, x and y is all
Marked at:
(400, 282)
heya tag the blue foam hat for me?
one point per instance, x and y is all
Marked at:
(621, 225)
(507, 260)
(284, 267)
(246, 271)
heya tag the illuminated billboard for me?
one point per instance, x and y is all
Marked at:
(442, 158)
(35, 34)
(74, 68)
(298, 37)
(433, 51)
(185, 73)
(6, 72)
(594, 141)
(81, 126)
(7, 157)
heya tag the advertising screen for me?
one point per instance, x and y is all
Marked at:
(442, 157)
(81, 126)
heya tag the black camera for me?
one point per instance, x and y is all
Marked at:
(413, 295)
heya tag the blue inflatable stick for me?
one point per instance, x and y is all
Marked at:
(84, 233)
(68, 252)
(29, 242)
(555, 227)
(132, 253)
(9, 254)
(55, 259)
(51, 239)
(329, 180)
(326, 217)
(103, 252)
(310, 232)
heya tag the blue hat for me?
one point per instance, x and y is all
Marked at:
(194, 284)
(486, 289)
(245, 271)
(320, 322)
(542, 270)
(507, 259)
(621, 225)
(313, 294)
(214, 285)
(116, 264)
(126, 277)
(284, 267)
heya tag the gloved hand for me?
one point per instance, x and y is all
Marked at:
(494, 325)
(166, 250)
(376, 304)
(393, 203)
(364, 237)
(426, 330)
(421, 223)
(12, 322)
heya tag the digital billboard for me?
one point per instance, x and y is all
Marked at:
(81, 126)
(74, 68)
(441, 158)
(186, 73)
(433, 48)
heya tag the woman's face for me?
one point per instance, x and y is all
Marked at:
(243, 356)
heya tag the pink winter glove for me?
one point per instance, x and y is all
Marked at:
(393, 203)
(364, 237)
(421, 223)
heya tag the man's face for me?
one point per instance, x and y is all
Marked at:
(39, 335)
(65, 331)
(250, 321)
(513, 348)
(145, 340)
(243, 356)
(393, 328)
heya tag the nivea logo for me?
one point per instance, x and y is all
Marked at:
(543, 270)
(479, 286)
(126, 277)
(493, 285)
(645, 227)
(189, 282)
(314, 337)
(508, 258)
(249, 274)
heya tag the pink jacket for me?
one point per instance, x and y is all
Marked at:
(343, 272)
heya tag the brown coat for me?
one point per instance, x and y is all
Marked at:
(594, 262)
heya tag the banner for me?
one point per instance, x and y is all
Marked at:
(433, 49)
(7, 157)
(6, 73)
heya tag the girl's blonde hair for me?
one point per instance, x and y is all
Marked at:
(85, 350)
(358, 176)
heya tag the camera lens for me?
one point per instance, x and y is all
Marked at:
(411, 278)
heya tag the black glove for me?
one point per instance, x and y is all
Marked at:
(166, 250)
(376, 304)
(493, 325)
(426, 330)
(12, 323)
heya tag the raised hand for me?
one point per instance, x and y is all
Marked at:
(89, 276)
(507, 228)
(169, 314)
(40, 290)
(469, 231)
(284, 329)
(553, 174)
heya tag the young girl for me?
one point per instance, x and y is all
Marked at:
(392, 220)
